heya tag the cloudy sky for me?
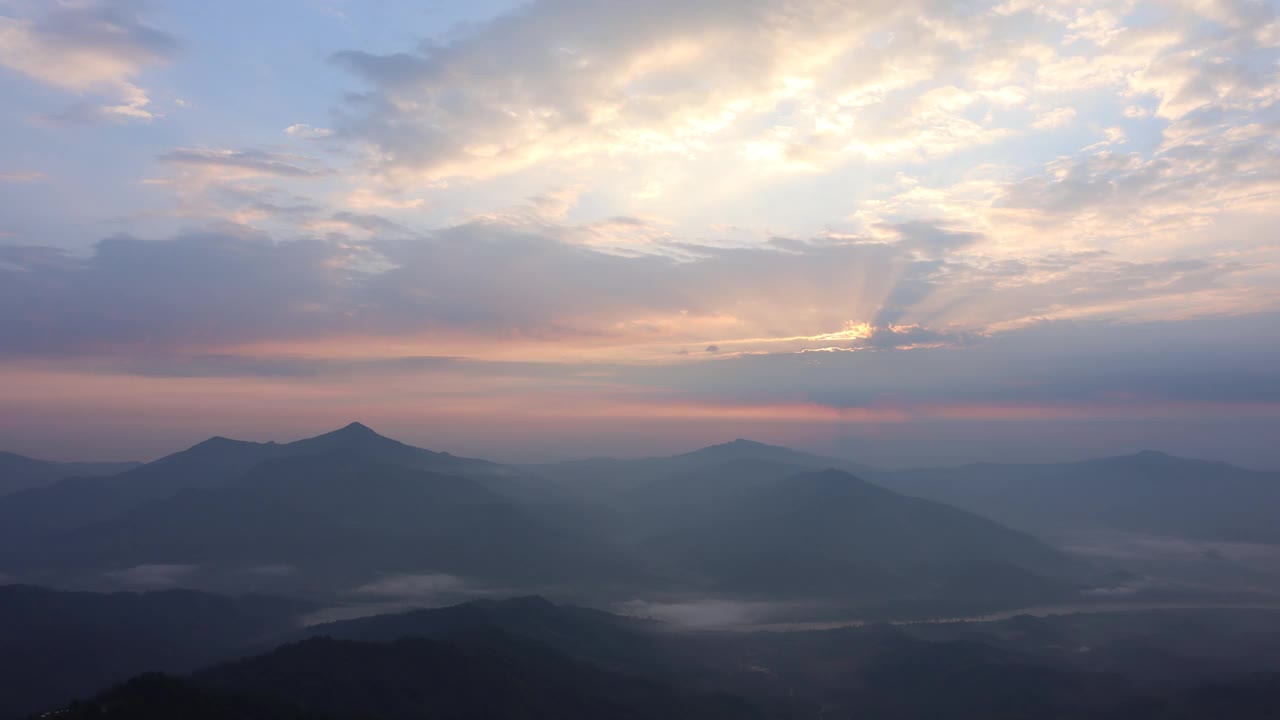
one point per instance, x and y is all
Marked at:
(908, 231)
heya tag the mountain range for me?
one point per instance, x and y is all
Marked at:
(743, 519)
(22, 473)
(530, 658)
(1146, 492)
(351, 506)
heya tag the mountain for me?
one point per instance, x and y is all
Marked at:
(78, 502)
(155, 696)
(503, 659)
(22, 473)
(1147, 492)
(479, 676)
(333, 513)
(619, 482)
(768, 521)
(342, 509)
(485, 674)
(56, 645)
(830, 534)
(580, 633)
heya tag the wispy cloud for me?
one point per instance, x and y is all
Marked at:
(94, 47)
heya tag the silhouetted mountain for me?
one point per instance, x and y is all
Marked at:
(55, 645)
(618, 482)
(341, 508)
(22, 473)
(829, 533)
(155, 696)
(500, 660)
(78, 502)
(484, 674)
(577, 632)
(1148, 492)
(338, 512)
(165, 697)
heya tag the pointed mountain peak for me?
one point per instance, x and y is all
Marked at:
(1143, 456)
(742, 447)
(217, 442)
(356, 436)
(354, 432)
(356, 428)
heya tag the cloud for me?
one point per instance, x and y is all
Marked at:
(1062, 369)
(21, 176)
(417, 587)
(369, 199)
(152, 576)
(88, 47)
(565, 82)
(244, 163)
(194, 289)
(307, 132)
(1056, 118)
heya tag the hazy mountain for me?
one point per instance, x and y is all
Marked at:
(55, 646)
(581, 633)
(527, 658)
(333, 513)
(829, 533)
(22, 473)
(341, 508)
(618, 482)
(81, 501)
(1148, 492)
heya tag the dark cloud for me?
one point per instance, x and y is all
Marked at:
(1212, 360)
(229, 284)
(198, 288)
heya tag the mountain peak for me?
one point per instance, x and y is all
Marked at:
(741, 446)
(353, 432)
(355, 428)
(218, 442)
(1144, 456)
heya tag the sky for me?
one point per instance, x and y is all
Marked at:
(906, 231)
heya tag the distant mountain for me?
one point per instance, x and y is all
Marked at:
(830, 534)
(340, 509)
(333, 513)
(1148, 492)
(55, 646)
(22, 473)
(746, 517)
(82, 501)
(618, 482)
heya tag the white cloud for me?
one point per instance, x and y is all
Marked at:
(90, 47)
(307, 132)
(1055, 118)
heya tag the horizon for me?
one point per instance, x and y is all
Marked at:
(502, 458)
